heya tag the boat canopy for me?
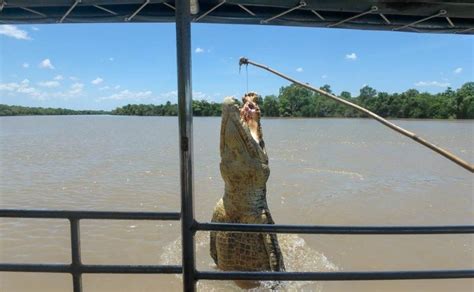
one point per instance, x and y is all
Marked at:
(427, 16)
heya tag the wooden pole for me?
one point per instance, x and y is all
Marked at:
(447, 154)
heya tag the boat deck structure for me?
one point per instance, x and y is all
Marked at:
(419, 16)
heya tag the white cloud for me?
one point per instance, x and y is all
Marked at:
(46, 63)
(299, 69)
(14, 32)
(104, 88)
(324, 76)
(26, 90)
(49, 84)
(351, 56)
(116, 86)
(35, 28)
(22, 87)
(25, 65)
(76, 88)
(199, 95)
(199, 50)
(170, 94)
(457, 70)
(173, 95)
(58, 77)
(97, 81)
(73, 78)
(111, 59)
(127, 94)
(432, 83)
(12, 86)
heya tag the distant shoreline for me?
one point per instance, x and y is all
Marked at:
(16, 110)
(264, 118)
(295, 101)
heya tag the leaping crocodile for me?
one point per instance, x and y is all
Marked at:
(244, 168)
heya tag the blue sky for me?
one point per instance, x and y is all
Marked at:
(102, 66)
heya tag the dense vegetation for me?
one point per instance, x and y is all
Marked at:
(296, 101)
(15, 110)
(200, 108)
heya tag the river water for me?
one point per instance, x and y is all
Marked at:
(323, 171)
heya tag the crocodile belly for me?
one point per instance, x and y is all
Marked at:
(241, 252)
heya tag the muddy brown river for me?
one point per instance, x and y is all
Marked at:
(323, 171)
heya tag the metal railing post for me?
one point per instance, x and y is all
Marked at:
(185, 117)
(76, 255)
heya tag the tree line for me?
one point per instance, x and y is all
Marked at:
(16, 110)
(297, 101)
(201, 108)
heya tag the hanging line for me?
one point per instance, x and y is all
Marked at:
(247, 73)
(441, 151)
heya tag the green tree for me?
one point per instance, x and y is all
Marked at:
(271, 106)
(292, 99)
(464, 102)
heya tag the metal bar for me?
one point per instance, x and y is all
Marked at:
(209, 11)
(315, 229)
(336, 276)
(91, 269)
(317, 14)
(451, 24)
(76, 255)
(440, 13)
(185, 119)
(465, 30)
(69, 10)
(63, 214)
(414, 29)
(302, 4)
(125, 269)
(385, 18)
(137, 11)
(36, 268)
(33, 11)
(105, 9)
(3, 3)
(169, 5)
(246, 9)
(372, 9)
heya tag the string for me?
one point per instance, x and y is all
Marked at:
(247, 75)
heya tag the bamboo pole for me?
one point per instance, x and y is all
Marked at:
(441, 151)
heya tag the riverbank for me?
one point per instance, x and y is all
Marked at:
(296, 101)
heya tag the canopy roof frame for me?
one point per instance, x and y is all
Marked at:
(408, 16)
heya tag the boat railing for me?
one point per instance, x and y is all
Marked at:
(76, 268)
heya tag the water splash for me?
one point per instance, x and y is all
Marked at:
(298, 256)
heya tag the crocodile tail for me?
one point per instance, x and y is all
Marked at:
(275, 256)
(270, 240)
(213, 249)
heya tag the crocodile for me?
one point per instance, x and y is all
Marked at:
(245, 171)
